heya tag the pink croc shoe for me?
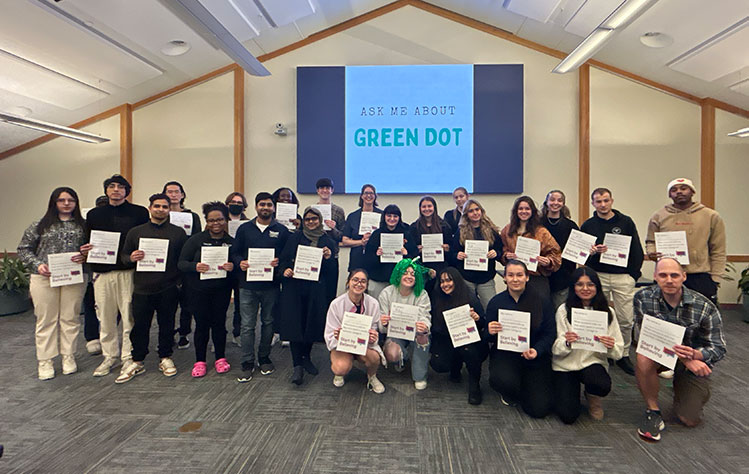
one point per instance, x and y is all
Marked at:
(222, 366)
(199, 369)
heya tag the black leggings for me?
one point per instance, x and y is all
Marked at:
(446, 358)
(300, 351)
(527, 382)
(210, 319)
(567, 388)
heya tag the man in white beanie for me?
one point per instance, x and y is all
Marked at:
(706, 237)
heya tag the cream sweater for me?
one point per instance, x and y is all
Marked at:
(565, 359)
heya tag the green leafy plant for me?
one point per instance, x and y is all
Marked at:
(743, 284)
(13, 274)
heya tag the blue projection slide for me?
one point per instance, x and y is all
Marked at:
(408, 125)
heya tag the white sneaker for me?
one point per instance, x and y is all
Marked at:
(285, 343)
(420, 384)
(375, 385)
(106, 365)
(93, 347)
(46, 370)
(166, 366)
(68, 364)
(666, 374)
(276, 339)
(338, 381)
(130, 370)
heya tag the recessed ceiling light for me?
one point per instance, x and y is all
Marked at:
(176, 48)
(19, 111)
(655, 39)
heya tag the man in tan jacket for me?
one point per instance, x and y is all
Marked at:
(706, 237)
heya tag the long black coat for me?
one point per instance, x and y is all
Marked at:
(304, 304)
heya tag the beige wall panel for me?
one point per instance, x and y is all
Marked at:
(412, 36)
(640, 139)
(28, 178)
(187, 137)
(731, 170)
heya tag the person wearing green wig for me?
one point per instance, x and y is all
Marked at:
(407, 287)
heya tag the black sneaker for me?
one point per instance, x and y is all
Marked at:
(183, 343)
(310, 367)
(651, 426)
(266, 366)
(626, 365)
(475, 396)
(248, 368)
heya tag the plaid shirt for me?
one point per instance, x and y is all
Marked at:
(698, 314)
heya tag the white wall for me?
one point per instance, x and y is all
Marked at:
(28, 178)
(731, 172)
(187, 137)
(412, 36)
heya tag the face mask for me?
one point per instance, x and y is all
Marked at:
(236, 209)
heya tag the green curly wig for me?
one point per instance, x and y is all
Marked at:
(419, 272)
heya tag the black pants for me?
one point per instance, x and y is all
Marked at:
(704, 284)
(300, 351)
(331, 283)
(567, 388)
(185, 312)
(165, 305)
(446, 358)
(527, 382)
(90, 321)
(236, 322)
(210, 319)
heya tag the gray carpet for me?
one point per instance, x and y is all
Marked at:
(79, 423)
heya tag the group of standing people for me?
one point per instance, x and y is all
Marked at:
(544, 378)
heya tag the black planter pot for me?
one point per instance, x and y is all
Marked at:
(14, 302)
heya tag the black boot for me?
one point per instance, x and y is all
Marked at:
(475, 396)
(298, 376)
(626, 365)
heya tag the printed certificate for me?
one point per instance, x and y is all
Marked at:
(673, 244)
(657, 339)
(528, 251)
(515, 335)
(431, 248)
(618, 249)
(64, 271)
(588, 325)
(327, 214)
(476, 259)
(183, 220)
(259, 268)
(354, 335)
(234, 226)
(370, 221)
(214, 256)
(578, 247)
(403, 319)
(155, 258)
(391, 248)
(285, 213)
(307, 263)
(461, 326)
(106, 245)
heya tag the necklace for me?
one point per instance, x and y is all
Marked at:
(554, 222)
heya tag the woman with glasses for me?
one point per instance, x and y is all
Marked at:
(57, 309)
(237, 203)
(351, 236)
(379, 271)
(304, 302)
(476, 225)
(354, 300)
(575, 366)
(210, 296)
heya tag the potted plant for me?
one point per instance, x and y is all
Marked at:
(744, 295)
(14, 286)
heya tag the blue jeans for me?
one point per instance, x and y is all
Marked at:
(249, 303)
(419, 358)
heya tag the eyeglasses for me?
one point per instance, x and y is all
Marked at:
(409, 272)
(64, 201)
(215, 221)
(359, 281)
(368, 193)
(311, 219)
